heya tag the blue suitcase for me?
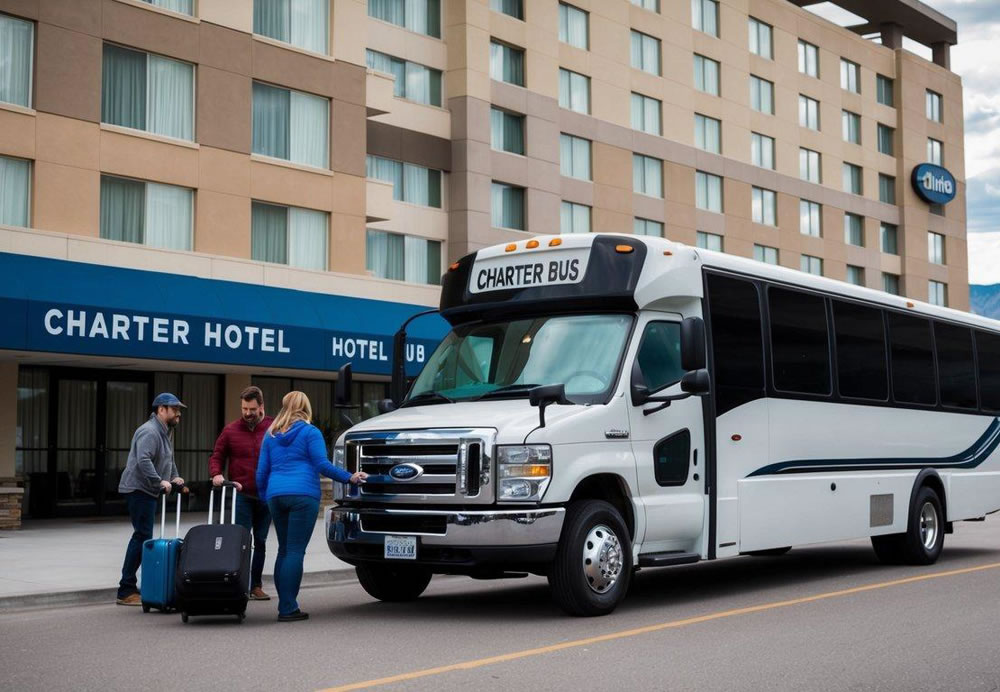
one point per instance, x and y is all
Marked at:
(159, 563)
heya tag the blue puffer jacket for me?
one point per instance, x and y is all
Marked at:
(291, 462)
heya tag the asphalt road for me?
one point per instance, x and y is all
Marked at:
(819, 618)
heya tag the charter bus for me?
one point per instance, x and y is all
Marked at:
(611, 402)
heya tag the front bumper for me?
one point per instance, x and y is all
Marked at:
(450, 541)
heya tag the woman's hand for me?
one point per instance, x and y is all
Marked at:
(358, 477)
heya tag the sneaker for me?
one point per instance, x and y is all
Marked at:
(130, 600)
(293, 617)
(258, 594)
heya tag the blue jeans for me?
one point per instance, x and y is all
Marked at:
(294, 520)
(142, 511)
(254, 515)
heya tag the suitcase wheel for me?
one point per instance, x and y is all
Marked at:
(145, 607)
(184, 617)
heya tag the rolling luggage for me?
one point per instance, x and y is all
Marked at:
(213, 571)
(159, 562)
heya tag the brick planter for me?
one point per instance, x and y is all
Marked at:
(11, 498)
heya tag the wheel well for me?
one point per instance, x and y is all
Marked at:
(934, 482)
(611, 489)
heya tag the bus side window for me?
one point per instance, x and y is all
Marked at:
(956, 367)
(861, 359)
(671, 459)
(988, 353)
(800, 349)
(912, 351)
(737, 346)
(660, 355)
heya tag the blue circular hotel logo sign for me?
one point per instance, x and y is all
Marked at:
(934, 184)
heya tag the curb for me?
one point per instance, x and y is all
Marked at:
(63, 599)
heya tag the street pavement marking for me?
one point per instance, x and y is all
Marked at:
(503, 658)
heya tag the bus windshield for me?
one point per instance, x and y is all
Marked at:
(507, 359)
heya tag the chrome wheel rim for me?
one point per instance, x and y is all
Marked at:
(602, 559)
(928, 525)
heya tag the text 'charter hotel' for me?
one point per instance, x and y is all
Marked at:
(197, 195)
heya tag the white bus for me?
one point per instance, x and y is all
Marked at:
(610, 402)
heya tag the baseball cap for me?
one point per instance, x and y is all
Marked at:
(167, 399)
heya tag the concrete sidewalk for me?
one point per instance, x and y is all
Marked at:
(67, 561)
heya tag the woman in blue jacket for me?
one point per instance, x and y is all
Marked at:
(292, 457)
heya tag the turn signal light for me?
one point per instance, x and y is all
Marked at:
(555, 242)
(453, 267)
(510, 248)
(624, 249)
(667, 253)
(909, 304)
(532, 244)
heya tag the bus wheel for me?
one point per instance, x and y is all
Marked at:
(391, 583)
(592, 569)
(924, 537)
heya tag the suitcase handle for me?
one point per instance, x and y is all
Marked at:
(163, 511)
(222, 503)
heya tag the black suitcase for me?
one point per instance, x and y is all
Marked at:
(213, 571)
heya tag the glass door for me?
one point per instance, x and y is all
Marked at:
(126, 408)
(73, 480)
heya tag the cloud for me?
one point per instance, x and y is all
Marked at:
(984, 258)
(982, 195)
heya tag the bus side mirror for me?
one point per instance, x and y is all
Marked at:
(342, 389)
(696, 382)
(638, 388)
(692, 344)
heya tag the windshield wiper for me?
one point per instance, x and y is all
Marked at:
(426, 398)
(505, 392)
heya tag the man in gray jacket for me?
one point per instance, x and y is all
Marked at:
(150, 464)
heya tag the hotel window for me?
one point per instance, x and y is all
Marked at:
(934, 148)
(708, 191)
(17, 51)
(147, 92)
(574, 26)
(707, 133)
(705, 16)
(888, 238)
(811, 265)
(934, 106)
(810, 218)
(645, 53)
(507, 206)
(651, 5)
(855, 275)
(291, 125)
(886, 135)
(761, 95)
(421, 16)
(808, 59)
(706, 75)
(414, 82)
(150, 214)
(809, 166)
(937, 293)
(410, 183)
(574, 91)
(850, 76)
(506, 131)
(765, 206)
(886, 188)
(574, 157)
(646, 114)
(884, 90)
(708, 241)
(302, 23)
(289, 235)
(506, 63)
(403, 257)
(890, 283)
(853, 182)
(854, 229)
(647, 227)
(765, 254)
(15, 191)
(808, 112)
(935, 248)
(179, 6)
(760, 39)
(850, 125)
(574, 218)
(647, 175)
(512, 8)
(762, 150)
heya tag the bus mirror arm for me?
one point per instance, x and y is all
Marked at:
(398, 384)
(693, 383)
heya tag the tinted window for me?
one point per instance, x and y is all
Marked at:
(861, 362)
(737, 349)
(988, 352)
(800, 351)
(956, 367)
(660, 354)
(912, 359)
(671, 459)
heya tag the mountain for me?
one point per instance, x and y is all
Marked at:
(985, 300)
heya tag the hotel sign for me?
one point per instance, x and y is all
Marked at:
(934, 184)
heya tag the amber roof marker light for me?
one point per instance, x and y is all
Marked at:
(624, 249)
(510, 248)
(532, 244)
(555, 242)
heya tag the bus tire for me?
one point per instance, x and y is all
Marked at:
(924, 537)
(393, 583)
(592, 569)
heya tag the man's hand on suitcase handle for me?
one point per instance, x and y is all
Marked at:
(219, 480)
(177, 484)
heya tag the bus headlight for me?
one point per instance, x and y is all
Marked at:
(523, 471)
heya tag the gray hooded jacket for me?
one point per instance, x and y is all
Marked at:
(150, 459)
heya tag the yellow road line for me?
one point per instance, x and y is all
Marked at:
(503, 658)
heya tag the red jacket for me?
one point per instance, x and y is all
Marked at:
(240, 447)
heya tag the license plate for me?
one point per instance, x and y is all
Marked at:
(400, 547)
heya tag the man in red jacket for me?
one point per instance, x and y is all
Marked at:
(238, 447)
